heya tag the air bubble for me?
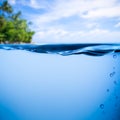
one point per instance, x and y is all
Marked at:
(108, 90)
(114, 56)
(115, 82)
(112, 74)
(102, 106)
(114, 68)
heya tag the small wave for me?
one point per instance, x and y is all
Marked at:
(66, 49)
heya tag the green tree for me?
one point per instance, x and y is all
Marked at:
(13, 29)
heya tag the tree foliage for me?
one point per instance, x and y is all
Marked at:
(13, 29)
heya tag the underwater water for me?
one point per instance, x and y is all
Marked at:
(60, 82)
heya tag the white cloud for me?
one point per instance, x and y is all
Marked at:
(62, 36)
(82, 8)
(92, 25)
(38, 4)
(34, 4)
(117, 25)
(109, 12)
(12, 2)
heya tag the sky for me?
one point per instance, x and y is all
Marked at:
(72, 21)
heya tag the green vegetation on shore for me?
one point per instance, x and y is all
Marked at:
(13, 29)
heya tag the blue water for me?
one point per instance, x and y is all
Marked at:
(66, 49)
(60, 82)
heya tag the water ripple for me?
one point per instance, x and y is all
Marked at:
(66, 49)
